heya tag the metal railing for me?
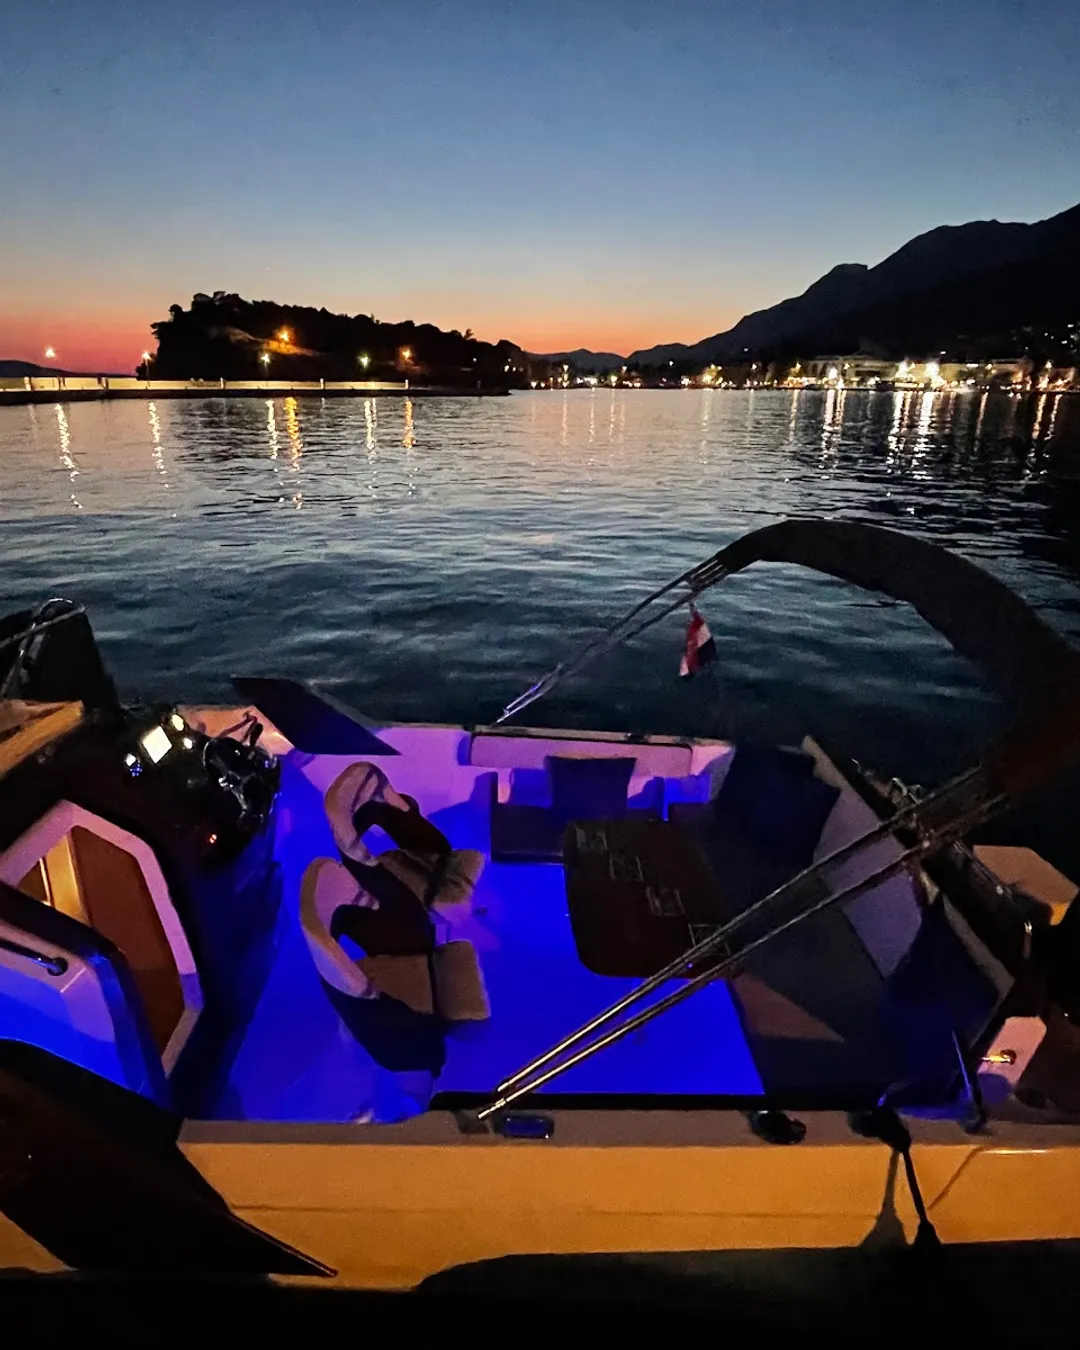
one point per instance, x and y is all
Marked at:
(635, 621)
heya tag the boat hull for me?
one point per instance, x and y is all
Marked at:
(390, 1207)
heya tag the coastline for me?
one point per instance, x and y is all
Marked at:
(86, 389)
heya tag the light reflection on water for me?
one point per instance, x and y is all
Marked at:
(427, 558)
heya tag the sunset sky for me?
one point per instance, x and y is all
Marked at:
(608, 175)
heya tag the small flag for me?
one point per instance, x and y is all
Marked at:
(700, 647)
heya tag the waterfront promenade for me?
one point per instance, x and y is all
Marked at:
(88, 388)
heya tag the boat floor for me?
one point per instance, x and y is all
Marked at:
(299, 1062)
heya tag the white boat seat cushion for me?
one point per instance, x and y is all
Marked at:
(460, 991)
(453, 896)
(406, 978)
(655, 758)
(353, 788)
(326, 886)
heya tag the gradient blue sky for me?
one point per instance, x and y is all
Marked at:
(561, 174)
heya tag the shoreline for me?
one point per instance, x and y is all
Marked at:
(87, 389)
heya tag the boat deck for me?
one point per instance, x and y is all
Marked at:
(299, 1062)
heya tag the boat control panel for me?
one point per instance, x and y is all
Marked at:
(226, 788)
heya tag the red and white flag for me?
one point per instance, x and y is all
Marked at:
(700, 647)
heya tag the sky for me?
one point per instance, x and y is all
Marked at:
(562, 174)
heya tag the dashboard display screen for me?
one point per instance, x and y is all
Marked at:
(156, 743)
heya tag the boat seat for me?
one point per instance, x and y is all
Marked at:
(509, 748)
(326, 887)
(449, 983)
(361, 785)
(460, 991)
(423, 868)
(821, 1006)
(444, 884)
(585, 788)
(396, 1006)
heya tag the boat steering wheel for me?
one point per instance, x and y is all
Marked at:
(246, 772)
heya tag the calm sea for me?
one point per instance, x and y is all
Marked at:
(428, 559)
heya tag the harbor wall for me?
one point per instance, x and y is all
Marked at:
(51, 388)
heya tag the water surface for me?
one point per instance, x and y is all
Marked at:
(427, 559)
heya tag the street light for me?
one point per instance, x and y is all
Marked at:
(146, 357)
(265, 358)
(364, 360)
(50, 354)
(406, 353)
(284, 335)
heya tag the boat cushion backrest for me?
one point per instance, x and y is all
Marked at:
(775, 798)
(652, 759)
(886, 918)
(437, 882)
(355, 787)
(589, 789)
(326, 887)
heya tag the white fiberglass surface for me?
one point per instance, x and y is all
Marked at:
(299, 1062)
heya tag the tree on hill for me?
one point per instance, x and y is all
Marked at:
(223, 336)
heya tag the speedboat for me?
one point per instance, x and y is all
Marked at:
(285, 992)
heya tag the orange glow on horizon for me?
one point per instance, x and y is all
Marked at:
(557, 338)
(543, 333)
(111, 342)
(104, 343)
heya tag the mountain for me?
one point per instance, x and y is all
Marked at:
(17, 370)
(834, 291)
(953, 284)
(598, 363)
(1024, 300)
(225, 336)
